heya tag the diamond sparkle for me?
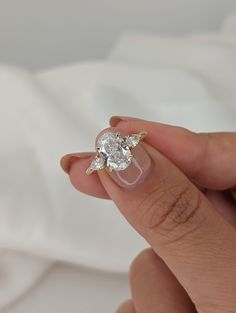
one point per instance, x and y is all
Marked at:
(114, 151)
(117, 153)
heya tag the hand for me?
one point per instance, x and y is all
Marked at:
(181, 197)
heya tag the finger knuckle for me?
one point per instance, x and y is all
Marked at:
(171, 211)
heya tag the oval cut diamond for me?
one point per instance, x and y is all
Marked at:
(119, 160)
(114, 151)
(109, 143)
(118, 154)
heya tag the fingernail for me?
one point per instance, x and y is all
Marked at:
(137, 171)
(68, 159)
(114, 120)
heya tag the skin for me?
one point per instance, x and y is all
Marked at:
(185, 209)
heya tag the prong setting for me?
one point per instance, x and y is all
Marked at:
(114, 151)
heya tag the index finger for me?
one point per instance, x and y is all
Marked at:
(208, 159)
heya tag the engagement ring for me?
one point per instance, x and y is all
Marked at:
(114, 151)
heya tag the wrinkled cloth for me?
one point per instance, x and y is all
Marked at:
(184, 81)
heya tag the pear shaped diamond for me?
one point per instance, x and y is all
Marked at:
(97, 164)
(132, 140)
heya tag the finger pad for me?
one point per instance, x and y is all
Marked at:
(91, 184)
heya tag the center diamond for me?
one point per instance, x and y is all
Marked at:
(114, 148)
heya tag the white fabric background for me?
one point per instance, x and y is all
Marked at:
(43, 220)
(40, 34)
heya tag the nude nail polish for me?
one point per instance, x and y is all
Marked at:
(137, 171)
(114, 120)
(68, 159)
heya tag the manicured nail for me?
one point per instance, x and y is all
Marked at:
(136, 172)
(68, 159)
(114, 120)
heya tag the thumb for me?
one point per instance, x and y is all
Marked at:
(179, 223)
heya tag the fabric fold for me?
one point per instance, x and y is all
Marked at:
(43, 116)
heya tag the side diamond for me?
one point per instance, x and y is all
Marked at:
(98, 163)
(132, 140)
